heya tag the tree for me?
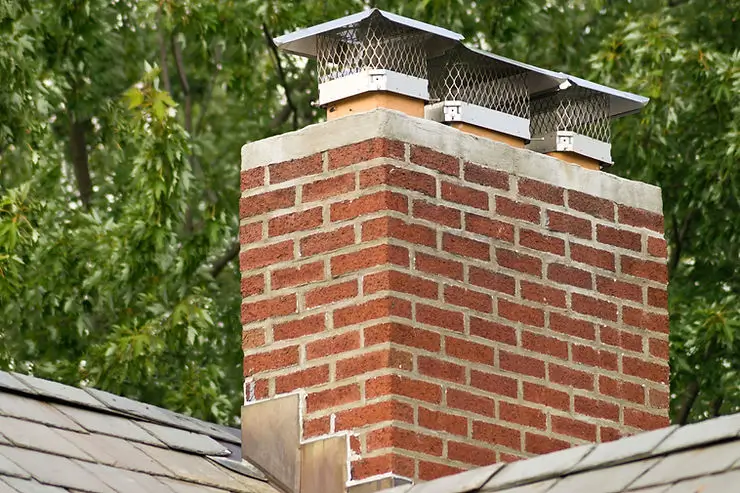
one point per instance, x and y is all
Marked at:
(119, 160)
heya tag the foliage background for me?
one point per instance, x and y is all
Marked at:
(121, 123)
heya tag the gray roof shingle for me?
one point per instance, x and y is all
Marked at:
(59, 439)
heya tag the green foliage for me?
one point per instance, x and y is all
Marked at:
(120, 129)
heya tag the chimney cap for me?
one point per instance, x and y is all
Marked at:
(621, 103)
(304, 43)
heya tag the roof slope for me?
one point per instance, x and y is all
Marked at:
(697, 458)
(55, 439)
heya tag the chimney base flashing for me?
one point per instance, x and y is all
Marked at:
(561, 141)
(373, 80)
(509, 126)
(393, 125)
(488, 134)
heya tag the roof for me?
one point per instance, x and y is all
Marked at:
(55, 439)
(702, 457)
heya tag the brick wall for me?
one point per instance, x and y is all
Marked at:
(446, 312)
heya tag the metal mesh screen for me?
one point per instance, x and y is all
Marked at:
(575, 109)
(462, 75)
(374, 43)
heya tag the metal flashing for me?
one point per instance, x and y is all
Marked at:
(566, 141)
(460, 111)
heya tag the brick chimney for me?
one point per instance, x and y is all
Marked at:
(434, 301)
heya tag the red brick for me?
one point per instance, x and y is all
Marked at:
(465, 247)
(569, 275)
(591, 205)
(263, 309)
(620, 389)
(331, 294)
(297, 276)
(436, 265)
(369, 257)
(465, 195)
(621, 338)
(646, 269)
(655, 322)
(252, 178)
(270, 360)
(468, 350)
(520, 313)
(316, 427)
(640, 218)
(329, 187)
(542, 294)
(295, 221)
(428, 158)
(574, 428)
(404, 335)
(495, 384)
(311, 324)
(596, 408)
(254, 258)
(302, 379)
(443, 370)
(328, 241)
(619, 289)
(484, 175)
(433, 470)
(571, 326)
(541, 444)
(618, 237)
(540, 394)
(401, 282)
(250, 233)
(609, 434)
(403, 386)
(657, 247)
(253, 338)
(365, 151)
(492, 281)
(497, 434)
(517, 261)
(536, 241)
(374, 466)
(541, 191)
(395, 176)
(467, 401)
(565, 223)
(658, 399)
(295, 168)
(376, 360)
(440, 214)
(489, 227)
(659, 348)
(523, 415)
(521, 365)
(261, 389)
(644, 420)
(252, 285)
(569, 377)
(367, 204)
(446, 319)
(470, 454)
(592, 256)
(594, 307)
(517, 210)
(392, 227)
(658, 297)
(598, 358)
(333, 345)
(370, 310)
(544, 345)
(316, 401)
(645, 369)
(492, 331)
(371, 414)
(468, 298)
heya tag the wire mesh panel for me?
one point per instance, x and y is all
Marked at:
(374, 43)
(462, 75)
(575, 109)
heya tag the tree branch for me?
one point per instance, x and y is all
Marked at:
(78, 153)
(221, 263)
(692, 391)
(177, 52)
(717, 406)
(679, 237)
(209, 90)
(281, 75)
(163, 52)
